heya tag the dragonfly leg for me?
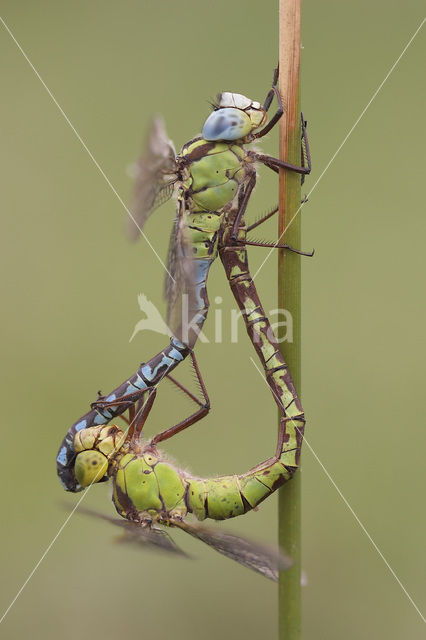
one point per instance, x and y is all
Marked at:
(204, 407)
(132, 413)
(277, 245)
(239, 216)
(305, 151)
(271, 213)
(129, 420)
(277, 115)
(128, 398)
(271, 93)
(262, 219)
(243, 206)
(141, 414)
(268, 100)
(276, 163)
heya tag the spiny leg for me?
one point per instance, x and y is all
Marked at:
(199, 380)
(240, 214)
(243, 205)
(142, 411)
(277, 245)
(263, 219)
(124, 401)
(305, 150)
(269, 215)
(271, 93)
(276, 170)
(193, 418)
(276, 163)
(180, 426)
(275, 118)
(304, 169)
(268, 100)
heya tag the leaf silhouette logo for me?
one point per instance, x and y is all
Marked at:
(153, 320)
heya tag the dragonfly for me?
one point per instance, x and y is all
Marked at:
(212, 179)
(153, 495)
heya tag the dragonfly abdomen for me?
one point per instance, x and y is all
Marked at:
(202, 229)
(230, 496)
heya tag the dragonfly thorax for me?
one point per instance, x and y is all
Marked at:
(234, 117)
(146, 485)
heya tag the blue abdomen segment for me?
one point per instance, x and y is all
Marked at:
(199, 301)
(196, 304)
(148, 375)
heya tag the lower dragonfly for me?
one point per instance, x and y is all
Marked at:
(214, 176)
(150, 492)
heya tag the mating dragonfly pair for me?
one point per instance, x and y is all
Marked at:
(212, 179)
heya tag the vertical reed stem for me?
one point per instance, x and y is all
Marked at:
(289, 286)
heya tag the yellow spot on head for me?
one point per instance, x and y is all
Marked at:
(89, 467)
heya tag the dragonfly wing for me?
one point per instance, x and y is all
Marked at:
(135, 533)
(262, 559)
(173, 283)
(155, 176)
(149, 537)
(180, 288)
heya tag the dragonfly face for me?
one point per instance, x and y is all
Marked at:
(95, 447)
(234, 117)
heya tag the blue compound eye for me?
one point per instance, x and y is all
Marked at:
(226, 124)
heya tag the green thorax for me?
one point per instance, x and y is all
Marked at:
(212, 175)
(145, 484)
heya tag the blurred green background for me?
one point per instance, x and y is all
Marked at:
(69, 299)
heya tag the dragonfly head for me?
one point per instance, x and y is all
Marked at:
(234, 117)
(95, 447)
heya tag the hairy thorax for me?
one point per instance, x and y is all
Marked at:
(212, 173)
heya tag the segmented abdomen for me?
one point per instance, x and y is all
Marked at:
(229, 496)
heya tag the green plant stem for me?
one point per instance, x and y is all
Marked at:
(289, 290)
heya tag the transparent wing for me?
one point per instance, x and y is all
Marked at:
(173, 283)
(155, 183)
(134, 533)
(260, 558)
(149, 537)
(155, 176)
(180, 286)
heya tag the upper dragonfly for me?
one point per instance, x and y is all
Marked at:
(212, 179)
